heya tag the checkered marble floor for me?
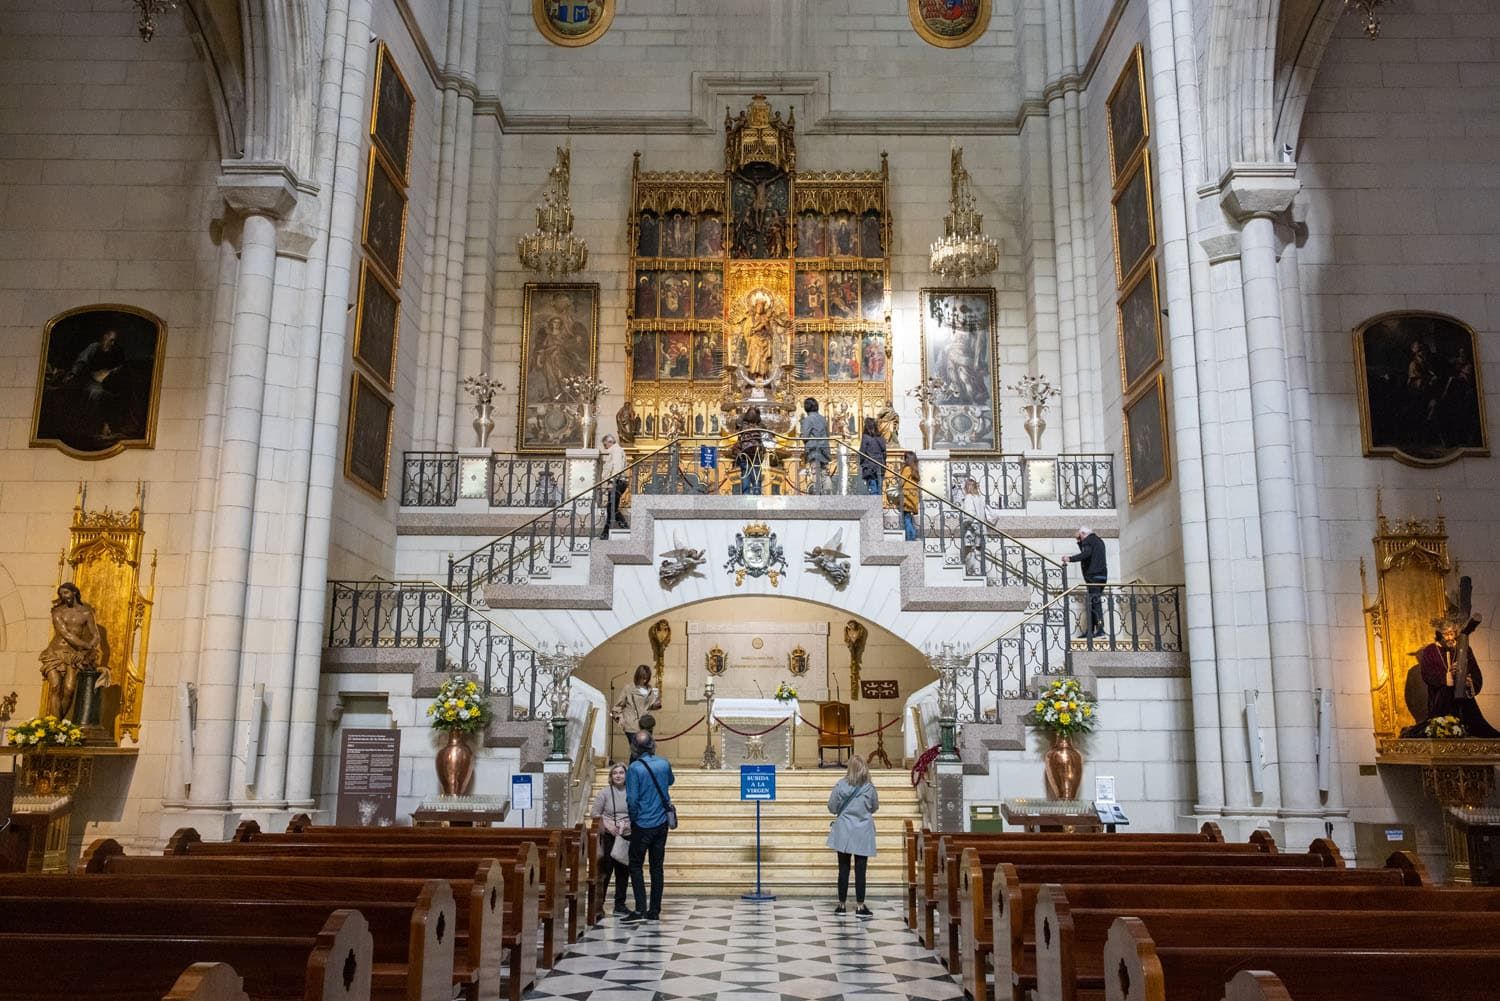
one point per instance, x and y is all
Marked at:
(728, 949)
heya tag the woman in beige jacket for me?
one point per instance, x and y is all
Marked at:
(635, 702)
(614, 817)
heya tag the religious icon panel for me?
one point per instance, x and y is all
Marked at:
(1128, 126)
(1148, 465)
(376, 325)
(1139, 321)
(1135, 222)
(367, 447)
(558, 338)
(391, 118)
(958, 334)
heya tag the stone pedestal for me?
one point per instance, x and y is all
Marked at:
(582, 470)
(947, 778)
(932, 464)
(1041, 483)
(557, 793)
(473, 480)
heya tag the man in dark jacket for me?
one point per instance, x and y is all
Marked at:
(815, 445)
(646, 783)
(1095, 573)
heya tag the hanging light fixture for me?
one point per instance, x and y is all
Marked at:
(148, 11)
(1366, 9)
(964, 251)
(552, 247)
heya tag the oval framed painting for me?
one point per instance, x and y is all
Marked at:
(575, 22)
(949, 24)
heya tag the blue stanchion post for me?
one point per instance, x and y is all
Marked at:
(758, 783)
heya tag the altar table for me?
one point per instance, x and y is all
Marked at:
(754, 715)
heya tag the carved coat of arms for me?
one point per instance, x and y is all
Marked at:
(756, 553)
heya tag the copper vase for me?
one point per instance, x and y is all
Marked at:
(1064, 769)
(455, 765)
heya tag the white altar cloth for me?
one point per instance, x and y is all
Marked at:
(748, 709)
(780, 745)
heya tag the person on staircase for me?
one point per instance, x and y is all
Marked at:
(612, 478)
(646, 783)
(853, 803)
(911, 495)
(611, 807)
(872, 457)
(634, 702)
(1095, 566)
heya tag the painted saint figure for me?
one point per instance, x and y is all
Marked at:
(76, 646)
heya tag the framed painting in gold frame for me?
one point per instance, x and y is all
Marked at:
(391, 116)
(949, 24)
(377, 325)
(1134, 216)
(98, 382)
(384, 231)
(1138, 325)
(367, 442)
(1129, 123)
(958, 337)
(572, 23)
(1148, 450)
(559, 338)
(1421, 400)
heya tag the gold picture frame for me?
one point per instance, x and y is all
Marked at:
(1138, 329)
(383, 232)
(1148, 441)
(392, 113)
(1133, 220)
(98, 382)
(1127, 115)
(559, 337)
(935, 29)
(1421, 394)
(966, 422)
(377, 325)
(367, 440)
(600, 12)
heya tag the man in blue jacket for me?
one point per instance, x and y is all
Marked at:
(646, 783)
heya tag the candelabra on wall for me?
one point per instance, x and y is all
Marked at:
(1035, 392)
(964, 251)
(927, 393)
(483, 389)
(148, 10)
(560, 665)
(1366, 9)
(585, 390)
(552, 247)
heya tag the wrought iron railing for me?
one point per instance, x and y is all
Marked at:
(1001, 481)
(1086, 482)
(374, 614)
(1137, 618)
(429, 479)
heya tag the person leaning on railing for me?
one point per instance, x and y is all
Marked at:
(872, 457)
(750, 450)
(815, 445)
(911, 495)
(612, 477)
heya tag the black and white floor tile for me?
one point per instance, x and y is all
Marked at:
(726, 949)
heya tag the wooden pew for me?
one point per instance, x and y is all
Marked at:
(1256, 985)
(208, 982)
(316, 877)
(332, 965)
(1141, 969)
(552, 855)
(413, 941)
(1013, 893)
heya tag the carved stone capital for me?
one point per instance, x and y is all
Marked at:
(268, 189)
(1248, 190)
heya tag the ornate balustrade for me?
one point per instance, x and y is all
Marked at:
(1085, 482)
(430, 479)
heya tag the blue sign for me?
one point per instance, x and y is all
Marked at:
(757, 782)
(708, 457)
(520, 792)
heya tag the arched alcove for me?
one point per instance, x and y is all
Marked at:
(778, 624)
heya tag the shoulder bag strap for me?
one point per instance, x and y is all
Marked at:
(651, 774)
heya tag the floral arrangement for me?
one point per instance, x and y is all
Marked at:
(928, 391)
(459, 707)
(46, 731)
(584, 388)
(482, 387)
(1034, 389)
(785, 692)
(1063, 709)
(1445, 727)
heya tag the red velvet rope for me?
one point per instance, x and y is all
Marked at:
(757, 733)
(923, 763)
(682, 733)
(867, 733)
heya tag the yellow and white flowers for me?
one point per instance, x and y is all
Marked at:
(459, 706)
(785, 692)
(1064, 708)
(1445, 727)
(42, 732)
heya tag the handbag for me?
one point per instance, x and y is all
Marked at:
(620, 850)
(671, 810)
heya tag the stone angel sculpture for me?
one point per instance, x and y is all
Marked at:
(679, 563)
(830, 560)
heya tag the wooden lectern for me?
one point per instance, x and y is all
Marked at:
(835, 733)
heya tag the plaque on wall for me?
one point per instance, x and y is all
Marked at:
(572, 23)
(949, 24)
(885, 688)
(368, 766)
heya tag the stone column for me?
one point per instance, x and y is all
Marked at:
(1062, 232)
(261, 198)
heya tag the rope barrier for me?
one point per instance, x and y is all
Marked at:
(682, 733)
(867, 733)
(757, 733)
(924, 762)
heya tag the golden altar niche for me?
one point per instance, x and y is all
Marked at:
(758, 285)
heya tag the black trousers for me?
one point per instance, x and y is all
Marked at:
(609, 867)
(860, 861)
(613, 516)
(1096, 604)
(646, 841)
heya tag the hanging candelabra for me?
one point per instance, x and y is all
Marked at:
(560, 665)
(964, 251)
(147, 12)
(585, 390)
(1366, 9)
(552, 247)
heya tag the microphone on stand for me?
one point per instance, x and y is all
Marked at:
(758, 688)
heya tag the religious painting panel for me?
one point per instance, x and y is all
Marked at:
(385, 217)
(708, 296)
(559, 338)
(708, 354)
(958, 334)
(391, 118)
(648, 235)
(572, 23)
(1421, 399)
(811, 235)
(376, 325)
(678, 238)
(367, 446)
(676, 355)
(99, 381)
(1138, 321)
(871, 244)
(760, 323)
(675, 298)
(872, 357)
(761, 215)
(812, 295)
(949, 24)
(1128, 121)
(843, 295)
(1135, 221)
(645, 295)
(808, 354)
(843, 357)
(872, 296)
(643, 356)
(843, 235)
(1147, 449)
(710, 236)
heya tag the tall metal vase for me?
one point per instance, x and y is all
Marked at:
(1035, 423)
(484, 423)
(1064, 768)
(455, 765)
(587, 423)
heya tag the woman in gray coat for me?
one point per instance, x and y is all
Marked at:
(853, 803)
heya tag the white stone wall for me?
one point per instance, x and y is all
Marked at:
(1397, 159)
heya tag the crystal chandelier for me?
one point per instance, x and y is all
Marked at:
(964, 251)
(552, 247)
(1366, 8)
(149, 9)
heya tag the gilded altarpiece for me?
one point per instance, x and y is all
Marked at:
(757, 283)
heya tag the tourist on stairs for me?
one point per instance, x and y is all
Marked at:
(853, 803)
(1095, 572)
(610, 806)
(911, 495)
(612, 479)
(815, 446)
(872, 457)
(635, 702)
(651, 815)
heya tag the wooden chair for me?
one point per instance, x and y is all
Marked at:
(835, 733)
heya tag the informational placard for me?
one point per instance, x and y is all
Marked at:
(708, 457)
(1104, 788)
(883, 688)
(757, 782)
(1109, 810)
(520, 792)
(368, 766)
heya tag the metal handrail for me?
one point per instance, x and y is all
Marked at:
(483, 613)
